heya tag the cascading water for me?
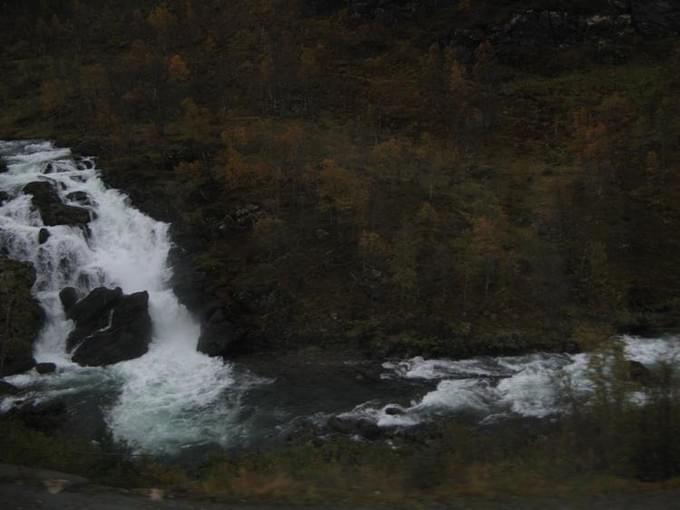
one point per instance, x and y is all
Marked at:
(171, 397)
(174, 399)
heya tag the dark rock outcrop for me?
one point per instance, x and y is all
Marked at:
(91, 311)
(20, 317)
(4, 197)
(110, 327)
(7, 389)
(46, 416)
(68, 298)
(3, 166)
(219, 337)
(45, 368)
(52, 210)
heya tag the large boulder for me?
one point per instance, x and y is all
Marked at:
(68, 298)
(110, 327)
(52, 210)
(20, 317)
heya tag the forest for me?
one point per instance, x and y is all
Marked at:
(444, 178)
(422, 181)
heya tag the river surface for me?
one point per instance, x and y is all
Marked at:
(175, 400)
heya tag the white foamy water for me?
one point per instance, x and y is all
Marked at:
(171, 397)
(494, 388)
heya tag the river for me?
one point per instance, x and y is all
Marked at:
(175, 400)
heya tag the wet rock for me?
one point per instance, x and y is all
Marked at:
(24, 313)
(394, 411)
(219, 337)
(68, 298)
(127, 337)
(7, 389)
(52, 210)
(3, 166)
(44, 416)
(43, 236)
(92, 311)
(355, 427)
(80, 197)
(638, 372)
(4, 197)
(46, 368)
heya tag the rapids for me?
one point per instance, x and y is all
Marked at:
(175, 399)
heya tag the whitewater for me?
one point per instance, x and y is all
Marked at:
(175, 399)
(171, 396)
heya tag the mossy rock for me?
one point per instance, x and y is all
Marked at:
(20, 316)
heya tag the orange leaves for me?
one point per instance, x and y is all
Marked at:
(486, 238)
(161, 19)
(177, 69)
(340, 190)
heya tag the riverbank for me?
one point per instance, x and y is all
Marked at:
(31, 488)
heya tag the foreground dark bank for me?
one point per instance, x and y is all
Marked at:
(347, 183)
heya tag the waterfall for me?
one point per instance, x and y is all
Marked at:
(173, 395)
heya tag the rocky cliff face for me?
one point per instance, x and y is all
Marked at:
(20, 316)
(550, 21)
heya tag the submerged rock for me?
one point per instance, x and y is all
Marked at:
(4, 197)
(20, 317)
(46, 368)
(52, 210)
(3, 166)
(355, 426)
(110, 327)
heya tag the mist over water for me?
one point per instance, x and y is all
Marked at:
(174, 398)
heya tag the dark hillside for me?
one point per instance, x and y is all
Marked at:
(436, 177)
